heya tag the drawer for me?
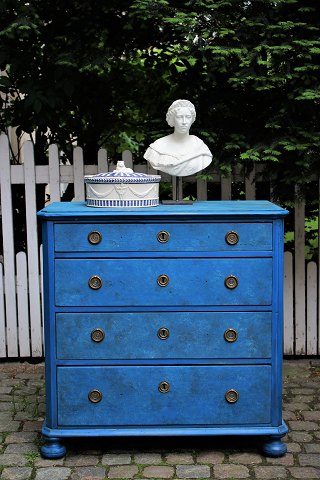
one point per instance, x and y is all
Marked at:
(157, 335)
(163, 237)
(191, 281)
(164, 395)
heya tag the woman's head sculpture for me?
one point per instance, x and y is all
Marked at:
(173, 110)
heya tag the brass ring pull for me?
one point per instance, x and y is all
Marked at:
(164, 387)
(231, 282)
(230, 335)
(97, 335)
(232, 237)
(95, 396)
(163, 333)
(163, 236)
(163, 280)
(95, 282)
(94, 237)
(232, 396)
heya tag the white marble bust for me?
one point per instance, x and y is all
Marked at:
(179, 154)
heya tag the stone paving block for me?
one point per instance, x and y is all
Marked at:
(116, 459)
(311, 459)
(21, 437)
(88, 473)
(46, 462)
(231, 471)
(9, 426)
(312, 447)
(193, 471)
(81, 460)
(53, 473)
(245, 458)
(148, 458)
(5, 389)
(183, 458)
(160, 471)
(123, 471)
(21, 448)
(304, 472)
(300, 437)
(285, 460)
(210, 457)
(302, 391)
(32, 426)
(303, 426)
(265, 472)
(16, 473)
(313, 415)
(293, 447)
(297, 406)
(13, 459)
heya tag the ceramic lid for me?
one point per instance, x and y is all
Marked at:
(122, 174)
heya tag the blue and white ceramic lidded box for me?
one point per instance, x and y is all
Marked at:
(122, 188)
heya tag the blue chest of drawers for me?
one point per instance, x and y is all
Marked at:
(163, 321)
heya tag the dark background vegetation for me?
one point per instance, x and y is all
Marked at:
(102, 74)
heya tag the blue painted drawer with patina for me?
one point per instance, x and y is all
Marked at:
(183, 281)
(163, 321)
(164, 395)
(170, 237)
(167, 335)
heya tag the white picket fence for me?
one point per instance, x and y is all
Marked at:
(21, 316)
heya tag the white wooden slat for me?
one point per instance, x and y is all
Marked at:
(226, 184)
(54, 174)
(288, 305)
(102, 161)
(250, 185)
(127, 158)
(202, 189)
(300, 278)
(32, 251)
(3, 350)
(78, 170)
(8, 249)
(312, 321)
(23, 305)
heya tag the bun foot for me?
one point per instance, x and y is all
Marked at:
(53, 448)
(274, 447)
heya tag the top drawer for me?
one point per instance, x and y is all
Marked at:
(166, 237)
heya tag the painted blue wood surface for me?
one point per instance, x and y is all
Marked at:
(130, 395)
(198, 281)
(183, 237)
(195, 306)
(191, 335)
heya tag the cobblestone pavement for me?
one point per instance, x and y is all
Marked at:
(22, 410)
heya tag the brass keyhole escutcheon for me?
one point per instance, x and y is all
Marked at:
(163, 236)
(232, 396)
(232, 237)
(231, 282)
(163, 333)
(95, 282)
(163, 280)
(97, 335)
(95, 396)
(164, 387)
(94, 237)
(230, 335)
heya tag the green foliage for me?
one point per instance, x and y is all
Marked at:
(104, 73)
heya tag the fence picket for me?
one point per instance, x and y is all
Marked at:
(202, 189)
(250, 185)
(102, 161)
(312, 334)
(32, 250)
(23, 305)
(8, 249)
(3, 350)
(288, 304)
(78, 174)
(300, 279)
(226, 185)
(54, 174)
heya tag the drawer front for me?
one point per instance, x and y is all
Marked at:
(156, 335)
(195, 281)
(163, 237)
(164, 395)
